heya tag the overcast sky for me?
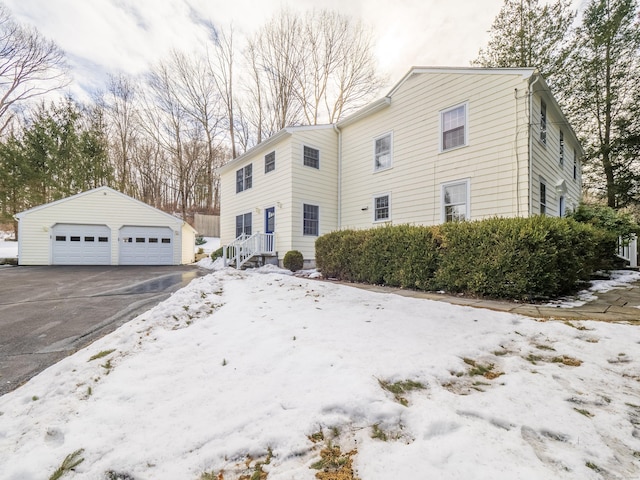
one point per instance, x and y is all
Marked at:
(113, 36)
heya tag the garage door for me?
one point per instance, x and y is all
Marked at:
(81, 244)
(146, 246)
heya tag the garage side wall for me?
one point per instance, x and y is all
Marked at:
(99, 207)
(188, 244)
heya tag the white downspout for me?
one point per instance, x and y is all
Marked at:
(339, 132)
(531, 144)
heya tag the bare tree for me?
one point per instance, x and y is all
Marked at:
(221, 70)
(119, 104)
(338, 73)
(30, 65)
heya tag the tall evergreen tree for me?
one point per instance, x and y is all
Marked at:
(603, 82)
(528, 34)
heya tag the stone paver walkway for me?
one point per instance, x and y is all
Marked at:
(618, 305)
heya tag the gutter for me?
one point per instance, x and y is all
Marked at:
(339, 132)
(531, 84)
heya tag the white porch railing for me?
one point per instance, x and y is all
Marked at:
(245, 247)
(628, 250)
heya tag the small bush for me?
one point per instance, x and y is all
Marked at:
(293, 260)
(216, 253)
(200, 240)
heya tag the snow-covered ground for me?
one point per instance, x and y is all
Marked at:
(240, 364)
(8, 247)
(211, 245)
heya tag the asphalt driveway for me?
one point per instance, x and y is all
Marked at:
(47, 313)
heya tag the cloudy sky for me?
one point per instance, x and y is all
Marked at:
(113, 36)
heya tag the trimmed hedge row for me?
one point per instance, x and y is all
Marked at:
(519, 258)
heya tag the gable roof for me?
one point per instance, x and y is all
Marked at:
(386, 100)
(96, 190)
(285, 132)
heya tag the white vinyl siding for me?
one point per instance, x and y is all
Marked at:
(495, 158)
(383, 152)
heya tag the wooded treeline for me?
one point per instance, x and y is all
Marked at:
(592, 64)
(160, 137)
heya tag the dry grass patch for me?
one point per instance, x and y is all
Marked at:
(334, 464)
(400, 389)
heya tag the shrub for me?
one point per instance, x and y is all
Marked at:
(200, 240)
(216, 253)
(520, 258)
(293, 260)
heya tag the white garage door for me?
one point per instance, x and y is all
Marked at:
(146, 246)
(81, 244)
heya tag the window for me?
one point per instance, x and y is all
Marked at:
(269, 162)
(153, 240)
(543, 198)
(381, 208)
(127, 240)
(561, 207)
(561, 149)
(243, 224)
(103, 239)
(243, 178)
(140, 239)
(543, 122)
(89, 239)
(61, 238)
(310, 220)
(166, 240)
(455, 204)
(311, 157)
(575, 165)
(382, 152)
(74, 239)
(453, 124)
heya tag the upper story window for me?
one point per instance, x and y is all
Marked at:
(455, 201)
(269, 162)
(382, 208)
(543, 122)
(244, 178)
(382, 155)
(453, 126)
(543, 198)
(561, 149)
(311, 157)
(575, 165)
(310, 220)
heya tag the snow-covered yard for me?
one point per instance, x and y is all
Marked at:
(243, 367)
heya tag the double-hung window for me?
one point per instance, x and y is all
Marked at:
(270, 162)
(311, 157)
(453, 127)
(543, 198)
(543, 122)
(561, 149)
(575, 165)
(382, 155)
(382, 208)
(243, 224)
(244, 178)
(310, 220)
(455, 201)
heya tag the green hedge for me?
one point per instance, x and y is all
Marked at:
(519, 258)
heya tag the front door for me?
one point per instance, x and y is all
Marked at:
(270, 225)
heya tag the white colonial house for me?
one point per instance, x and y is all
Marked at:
(444, 144)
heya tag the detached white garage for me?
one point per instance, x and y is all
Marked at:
(102, 227)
